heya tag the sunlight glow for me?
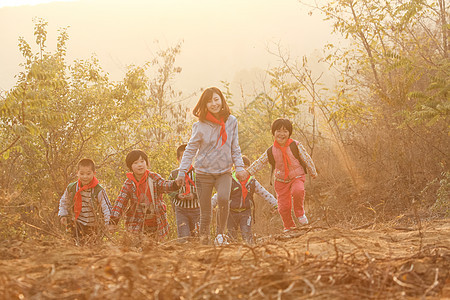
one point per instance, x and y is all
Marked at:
(4, 3)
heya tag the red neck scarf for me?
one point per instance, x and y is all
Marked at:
(223, 133)
(188, 182)
(78, 199)
(286, 160)
(244, 188)
(140, 186)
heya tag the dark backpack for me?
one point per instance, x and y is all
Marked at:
(294, 150)
(236, 186)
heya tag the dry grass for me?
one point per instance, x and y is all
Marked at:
(312, 263)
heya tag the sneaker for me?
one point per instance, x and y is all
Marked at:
(303, 220)
(220, 240)
(289, 229)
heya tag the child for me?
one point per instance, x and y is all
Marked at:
(214, 142)
(141, 198)
(242, 203)
(185, 201)
(291, 163)
(83, 200)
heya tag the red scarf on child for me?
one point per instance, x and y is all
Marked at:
(188, 182)
(223, 133)
(244, 188)
(286, 160)
(78, 199)
(140, 186)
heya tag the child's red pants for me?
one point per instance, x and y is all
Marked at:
(295, 190)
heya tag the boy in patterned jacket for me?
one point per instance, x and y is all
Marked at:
(141, 198)
(84, 207)
(242, 204)
(291, 163)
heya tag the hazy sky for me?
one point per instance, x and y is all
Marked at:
(222, 39)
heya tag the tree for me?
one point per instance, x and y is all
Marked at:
(280, 97)
(154, 118)
(397, 67)
(58, 113)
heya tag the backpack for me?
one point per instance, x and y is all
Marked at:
(236, 185)
(236, 198)
(294, 150)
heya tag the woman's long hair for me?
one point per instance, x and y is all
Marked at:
(200, 109)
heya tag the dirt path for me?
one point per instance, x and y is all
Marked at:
(311, 263)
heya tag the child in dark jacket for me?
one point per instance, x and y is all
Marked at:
(242, 205)
(141, 198)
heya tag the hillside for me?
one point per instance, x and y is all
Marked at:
(312, 263)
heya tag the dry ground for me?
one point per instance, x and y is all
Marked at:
(311, 263)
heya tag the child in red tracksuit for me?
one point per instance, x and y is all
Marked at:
(291, 162)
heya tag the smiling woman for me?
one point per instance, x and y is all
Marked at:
(28, 2)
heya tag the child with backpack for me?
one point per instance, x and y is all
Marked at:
(141, 198)
(84, 202)
(242, 205)
(291, 162)
(185, 202)
(215, 145)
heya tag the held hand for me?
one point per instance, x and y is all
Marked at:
(180, 182)
(242, 175)
(181, 196)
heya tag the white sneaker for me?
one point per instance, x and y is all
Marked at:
(220, 240)
(303, 220)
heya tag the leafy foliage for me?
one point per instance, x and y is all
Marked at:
(58, 113)
(377, 136)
